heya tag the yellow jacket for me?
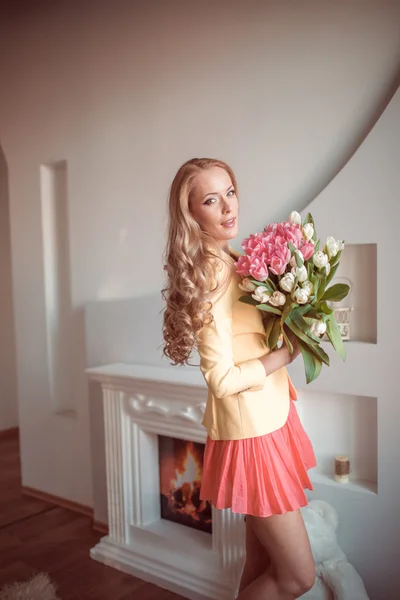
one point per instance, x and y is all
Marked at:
(242, 401)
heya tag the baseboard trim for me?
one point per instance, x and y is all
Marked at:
(100, 527)
(12, 432)
(69, 504)
(87, 511)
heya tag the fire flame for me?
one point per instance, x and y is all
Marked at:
(190, 471)
(187, 481)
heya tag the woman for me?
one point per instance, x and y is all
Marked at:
(257, 454)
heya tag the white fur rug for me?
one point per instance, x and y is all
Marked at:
(37, 588)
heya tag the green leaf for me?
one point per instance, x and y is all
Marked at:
(271, 284)
(323, 307)
(256, 282)
(313, 345)
(292, 248)
(321, 285)
(298, 332)
(269, 309)
(287, 341)
(318, 367)
(274, 334)
(316, 246)
(335, 260)
(268, 326)
(289, 306)
(321, 354)
(301, 310)
(336, 292)
(316, 283)
(303, 325)
(310, 268)
(312, 363)
(333, 332)
(263, 283)
(314, 314)
(249, 300)
(299, 260)
(332, 273)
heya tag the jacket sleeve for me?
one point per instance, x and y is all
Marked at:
(214, 343)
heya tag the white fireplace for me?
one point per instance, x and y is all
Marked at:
(142, 403)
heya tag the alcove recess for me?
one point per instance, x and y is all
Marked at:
(57, 285)
(358, 268)
(341, 424)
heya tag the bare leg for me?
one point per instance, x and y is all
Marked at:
(293, 571)
(257, 558)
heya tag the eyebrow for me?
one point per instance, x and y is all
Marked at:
(216, 193)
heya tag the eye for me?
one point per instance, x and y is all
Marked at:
(231, 193)
(209, 201)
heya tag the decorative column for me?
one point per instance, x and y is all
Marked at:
(115, 442)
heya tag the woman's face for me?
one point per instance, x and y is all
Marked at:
(214, 205)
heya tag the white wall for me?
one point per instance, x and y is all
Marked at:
(353, 407)
(8, 370)
(125, 92)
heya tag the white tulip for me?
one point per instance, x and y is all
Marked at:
(340, 245)
(300, 296)
(318, 328)
(295, 218)
(331, 247)
(320, 259)
(327, 269)
(277, 299)
(287, 282)
(247, 285)
(308, 231)
(300, 273)
(308, 286)
(261, 294)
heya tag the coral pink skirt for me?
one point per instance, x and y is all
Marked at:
(260, 476)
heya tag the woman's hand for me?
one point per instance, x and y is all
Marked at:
(281, 357)
(294, 342)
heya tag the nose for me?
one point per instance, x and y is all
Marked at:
(227, 209)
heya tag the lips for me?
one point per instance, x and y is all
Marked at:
(229, 223)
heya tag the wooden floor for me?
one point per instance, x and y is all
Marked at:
(36, 536)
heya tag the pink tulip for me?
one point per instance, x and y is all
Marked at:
(258, 269)
(294, 235)
(252, 243)
(243, 266)
(307, 250)
(278, 265)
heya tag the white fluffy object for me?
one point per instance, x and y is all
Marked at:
(336, 578)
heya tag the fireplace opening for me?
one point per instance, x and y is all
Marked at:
(181, 468)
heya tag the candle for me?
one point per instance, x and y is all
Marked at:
(342, 469)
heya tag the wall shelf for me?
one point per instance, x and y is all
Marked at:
(365, 487)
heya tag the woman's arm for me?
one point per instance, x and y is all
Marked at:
(281, 357)
(214, 343)
(276, 360)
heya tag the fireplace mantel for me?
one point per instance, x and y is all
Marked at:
(141, 403)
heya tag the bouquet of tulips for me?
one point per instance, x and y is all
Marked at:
(287, 275)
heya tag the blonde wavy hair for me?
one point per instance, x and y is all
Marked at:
(190, 263)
